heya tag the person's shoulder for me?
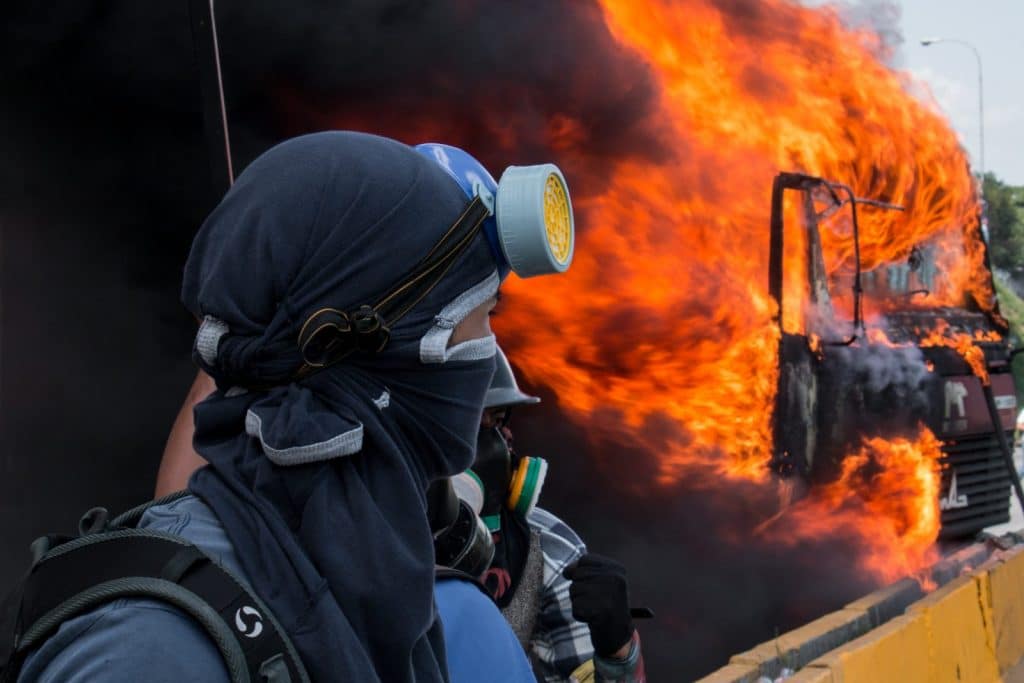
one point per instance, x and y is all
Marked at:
(469, 616)
(458, 595)
(127, 640)
(480, 644)
(140, 638)
(192, 519)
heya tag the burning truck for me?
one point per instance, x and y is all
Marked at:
(865, 352)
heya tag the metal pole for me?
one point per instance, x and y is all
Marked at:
(215, 117)
(1004, 445)
(981, 117)
(981, 100)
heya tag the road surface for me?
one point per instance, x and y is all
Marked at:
(1016, 522)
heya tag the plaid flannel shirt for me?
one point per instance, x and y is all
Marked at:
(560, 643)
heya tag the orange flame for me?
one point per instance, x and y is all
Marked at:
(664, 329)
(894, 485)
(669, 314)
(963, 344)
(661, 336)
(943, 334)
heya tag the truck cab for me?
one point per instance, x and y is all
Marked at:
(862, 354)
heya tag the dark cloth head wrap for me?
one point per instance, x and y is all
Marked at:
(320, 483)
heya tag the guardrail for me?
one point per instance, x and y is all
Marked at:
(969, 630)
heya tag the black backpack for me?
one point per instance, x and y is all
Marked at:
(112, 559)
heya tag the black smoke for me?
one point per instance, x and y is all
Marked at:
(105, 179)
(691, 550)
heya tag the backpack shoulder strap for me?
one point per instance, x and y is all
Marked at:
(81, 574)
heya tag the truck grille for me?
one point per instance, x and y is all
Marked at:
(980, 476)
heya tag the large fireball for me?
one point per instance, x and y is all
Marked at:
(665, 322)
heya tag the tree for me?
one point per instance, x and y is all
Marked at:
(1005, 224)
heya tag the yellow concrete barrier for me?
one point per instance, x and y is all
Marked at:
(959, 622)
(811, 675)
(797, 648)
(1006, 598)
(791, 649)
(733, 673)
(971, 630)
(896, 652)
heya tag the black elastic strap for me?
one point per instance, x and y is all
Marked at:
(10, 627)
(330, 335)
(429, 271)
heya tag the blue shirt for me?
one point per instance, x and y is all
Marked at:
(481, 646)
(148, 640)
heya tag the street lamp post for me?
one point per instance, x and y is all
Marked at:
(981, 100)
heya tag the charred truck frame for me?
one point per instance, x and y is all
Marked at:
(834, 391)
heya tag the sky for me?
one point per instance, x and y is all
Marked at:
(950, 71)
(993, 27)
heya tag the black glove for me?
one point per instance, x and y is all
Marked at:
(600, 598)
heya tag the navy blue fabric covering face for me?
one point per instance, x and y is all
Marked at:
(335, 536)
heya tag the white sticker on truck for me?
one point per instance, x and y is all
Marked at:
(1006, 402)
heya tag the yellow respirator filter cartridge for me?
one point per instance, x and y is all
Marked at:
(534, 218)
(526, 484)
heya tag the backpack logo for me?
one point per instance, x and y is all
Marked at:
(249, 629)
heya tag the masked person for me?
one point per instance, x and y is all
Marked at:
(344, 285)
(479, 643)
(566, 605)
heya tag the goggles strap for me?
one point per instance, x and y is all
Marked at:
(330, 335)
(428, 272)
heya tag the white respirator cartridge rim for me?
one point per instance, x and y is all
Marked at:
(469, 488)
(535, 223)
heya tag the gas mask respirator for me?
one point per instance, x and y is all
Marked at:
(461, 540)
(465, 510)
(509, 482)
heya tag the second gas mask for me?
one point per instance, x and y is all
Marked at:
(461, 541)
(509, 482)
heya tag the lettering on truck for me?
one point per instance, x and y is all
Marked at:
(954, 500)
